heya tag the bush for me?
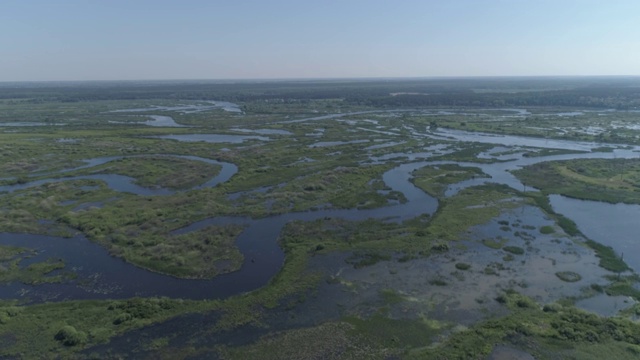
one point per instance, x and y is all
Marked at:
(440, 247)
(552, 308)
(568, 276)
(69, 336)
(463, 266)
(547, 229)
(122, 318)
(568, 225)
(438, 282)
(514, 250)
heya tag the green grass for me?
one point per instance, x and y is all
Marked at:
(32, 274)
(494, 243)
(547, 230)
(390, 297)
(609, 180)
(325, 341)
(155, 171)
(35, 331)
(472, 206)
(623, 285)
(200, 254)
(435, 179)
(568, 276)
(554, 330)
(393, 333)
(608, 257)
(9, 252)
(139, 229)
(514, 250)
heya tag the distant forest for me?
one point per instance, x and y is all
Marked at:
(592, 92)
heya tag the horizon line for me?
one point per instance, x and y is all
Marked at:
(276, 79)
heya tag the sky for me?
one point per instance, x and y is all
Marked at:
(76, 40)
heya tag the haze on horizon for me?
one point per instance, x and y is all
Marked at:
(76, 40)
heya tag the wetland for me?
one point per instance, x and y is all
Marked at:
(257, 223)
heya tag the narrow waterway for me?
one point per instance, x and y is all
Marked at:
(111, 277)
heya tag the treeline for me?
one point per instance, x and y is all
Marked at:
(619, 93)
(241, 91)
(603, 97)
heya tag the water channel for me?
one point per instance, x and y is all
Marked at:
(110, 277)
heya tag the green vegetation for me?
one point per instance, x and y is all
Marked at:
(494, 243)
(33, 274)
(153, 171)
(548, 332)
(9, 252)
(514, 250)
(390, 296)
(289, 172)
(608, 257)
(623, 286)
(547, 230)
(435, 179)
(199, 254)
(542, 201)
(613, 181)
(327, 341)
(101, 320)
(55, 329)
(568, 276)
(69, 336)
(472, 206)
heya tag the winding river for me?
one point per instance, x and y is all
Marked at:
(105, 276)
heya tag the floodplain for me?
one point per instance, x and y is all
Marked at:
(337, 220)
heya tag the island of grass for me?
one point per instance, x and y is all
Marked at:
(436, 179)
(160, 171)
(39, 272)
(608, 180)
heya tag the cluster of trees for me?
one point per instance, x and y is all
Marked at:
(592, 97)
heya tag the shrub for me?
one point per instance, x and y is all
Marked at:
(438, 282)
(568, 276)
(547, 229)
(440, 247)
(122, 318)
(568, 225)
(69, 336)
(492, 243)
(552, 308)
(514, 250)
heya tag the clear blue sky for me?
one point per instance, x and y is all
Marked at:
(232, 39)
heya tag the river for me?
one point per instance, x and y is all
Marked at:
(112, 277)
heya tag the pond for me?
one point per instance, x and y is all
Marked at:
(213, 138)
